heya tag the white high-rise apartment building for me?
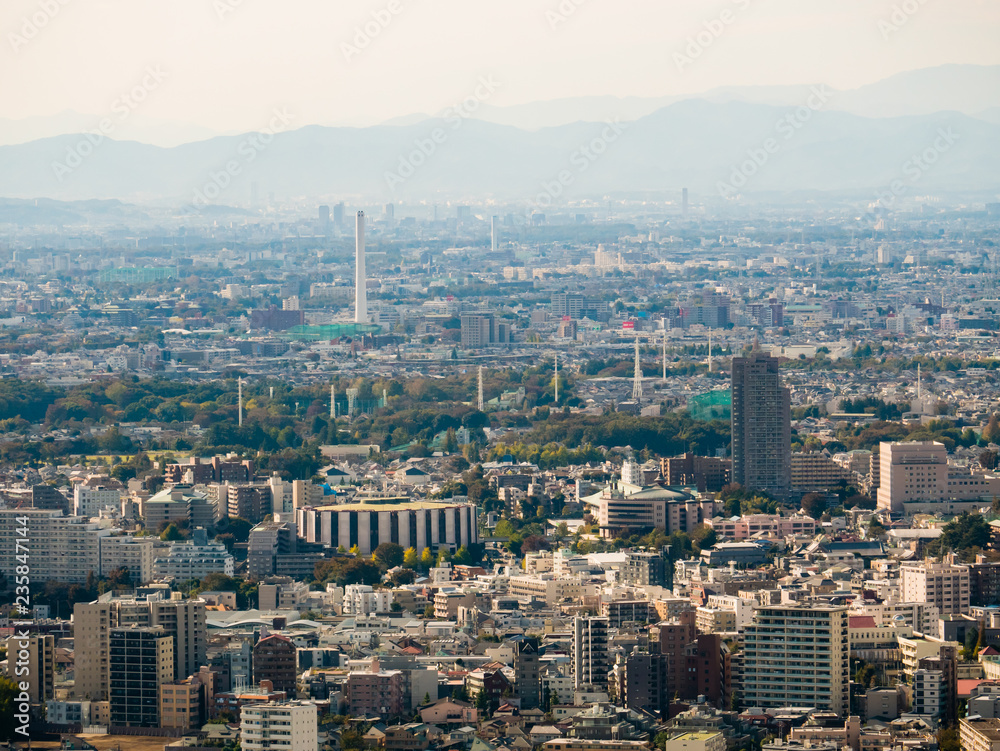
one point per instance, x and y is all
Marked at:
(916, 471)
(941, 583)
(798, 655)
(63, 548)
(279, 726)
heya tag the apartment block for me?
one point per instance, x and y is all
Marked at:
(944, 584)
(707, 473)
(361, 599)
(761, 425)
(591, 658)
(181, 704)
(929, 694)
(218, 469)
(140, 661)
(772, 525)
(195, 559)
(279, 726)
(797, 655)
(275, 660)
(63, 548)
(979, 734)
(183, 620)
(250, 502)
(91, 626)
(815, 471)
(380, 692)
(90, 499)
(133, 553)
(644, 568)
(40, 649)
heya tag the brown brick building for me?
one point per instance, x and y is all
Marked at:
(275, 659)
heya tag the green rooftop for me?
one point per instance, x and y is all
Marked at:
(331, 331)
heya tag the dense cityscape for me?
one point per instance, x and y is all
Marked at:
(524, 376)
(497, 480)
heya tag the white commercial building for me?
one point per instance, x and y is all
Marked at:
(90, 500)
(275, 726)
(195, 559)
(942, 583)
(918, 473)
(361, 599)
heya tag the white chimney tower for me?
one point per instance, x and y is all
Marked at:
(360, 280)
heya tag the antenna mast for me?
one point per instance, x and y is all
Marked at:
(637, 378)
(664, 355)
(557, 376)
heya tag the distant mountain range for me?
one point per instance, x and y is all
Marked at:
(701, 144)
(970, 89)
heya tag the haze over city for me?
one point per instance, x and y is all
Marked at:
(529, 376)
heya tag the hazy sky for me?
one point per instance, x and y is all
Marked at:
(229, 63)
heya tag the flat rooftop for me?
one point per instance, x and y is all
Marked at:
(384, 505)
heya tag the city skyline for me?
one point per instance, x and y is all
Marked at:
(548, 375)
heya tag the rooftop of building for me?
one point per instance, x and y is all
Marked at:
(385, 504)
(986, 726)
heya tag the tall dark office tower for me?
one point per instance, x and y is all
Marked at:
(140, 661)
(761, 428)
